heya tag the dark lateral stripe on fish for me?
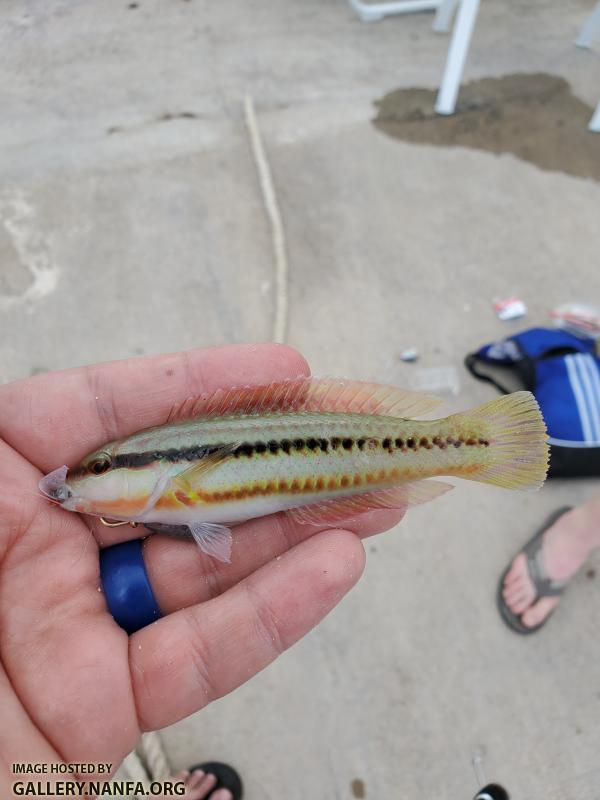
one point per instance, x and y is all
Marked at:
(197, 452)
(134, 460)
(174, 454)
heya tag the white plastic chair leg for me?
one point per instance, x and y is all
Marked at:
(594, 124)
(370, 12)
(457, 55)
(443, 17)
(590, 29)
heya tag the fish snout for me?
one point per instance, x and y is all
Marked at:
(60, 493)
(54, 485)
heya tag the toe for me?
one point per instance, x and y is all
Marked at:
(520, 605)
(205, 788)
(519, 597)
(221, 794)
(539, 611)
(511, 593)
(517, 569)
(195, 779)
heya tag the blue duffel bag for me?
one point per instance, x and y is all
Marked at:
(563, 372)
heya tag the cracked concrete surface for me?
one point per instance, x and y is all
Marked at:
(129, 226)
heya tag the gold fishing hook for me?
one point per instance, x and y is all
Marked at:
(117, 524)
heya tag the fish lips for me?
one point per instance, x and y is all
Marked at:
(54, 485)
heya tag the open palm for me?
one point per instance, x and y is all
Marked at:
(73, 685)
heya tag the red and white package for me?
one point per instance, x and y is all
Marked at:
(510, 308)
(579, 318)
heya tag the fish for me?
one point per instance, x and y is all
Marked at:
(321, 450)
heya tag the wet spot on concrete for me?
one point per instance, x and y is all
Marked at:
(535, 117)
(358, 788)
(590, 573)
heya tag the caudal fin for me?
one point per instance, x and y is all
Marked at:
(518, 449)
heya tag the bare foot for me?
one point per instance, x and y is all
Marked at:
(199, 785)
(565, 546)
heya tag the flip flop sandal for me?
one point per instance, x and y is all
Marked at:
(227, 777)
(493, 791)
(544, 585)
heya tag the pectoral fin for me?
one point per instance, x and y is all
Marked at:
(191, 477)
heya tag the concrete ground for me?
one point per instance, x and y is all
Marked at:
(133, 223)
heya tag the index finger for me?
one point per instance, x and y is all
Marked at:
(59, 417)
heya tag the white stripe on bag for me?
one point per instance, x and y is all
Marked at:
(584, 368)
(567, 443)
(579, 398)
(592, 368)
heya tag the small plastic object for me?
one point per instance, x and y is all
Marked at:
(436, 380)
(579, 318)
(409, 355)
(510, 308)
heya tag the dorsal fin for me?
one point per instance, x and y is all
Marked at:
(308, 394)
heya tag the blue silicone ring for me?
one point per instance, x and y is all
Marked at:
(126, 586)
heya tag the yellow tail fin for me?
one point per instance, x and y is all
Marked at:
(518, 449)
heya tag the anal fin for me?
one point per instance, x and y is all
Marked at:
(399, 498)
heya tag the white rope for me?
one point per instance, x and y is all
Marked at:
(148, 762)
(132, 769)
(272, 208)
(151, 749)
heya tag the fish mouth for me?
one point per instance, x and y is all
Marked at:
(54, 485)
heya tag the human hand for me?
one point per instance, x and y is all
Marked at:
(73, 685)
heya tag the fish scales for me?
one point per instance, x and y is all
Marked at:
(330, 454)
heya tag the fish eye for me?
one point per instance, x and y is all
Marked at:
(100, 465)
